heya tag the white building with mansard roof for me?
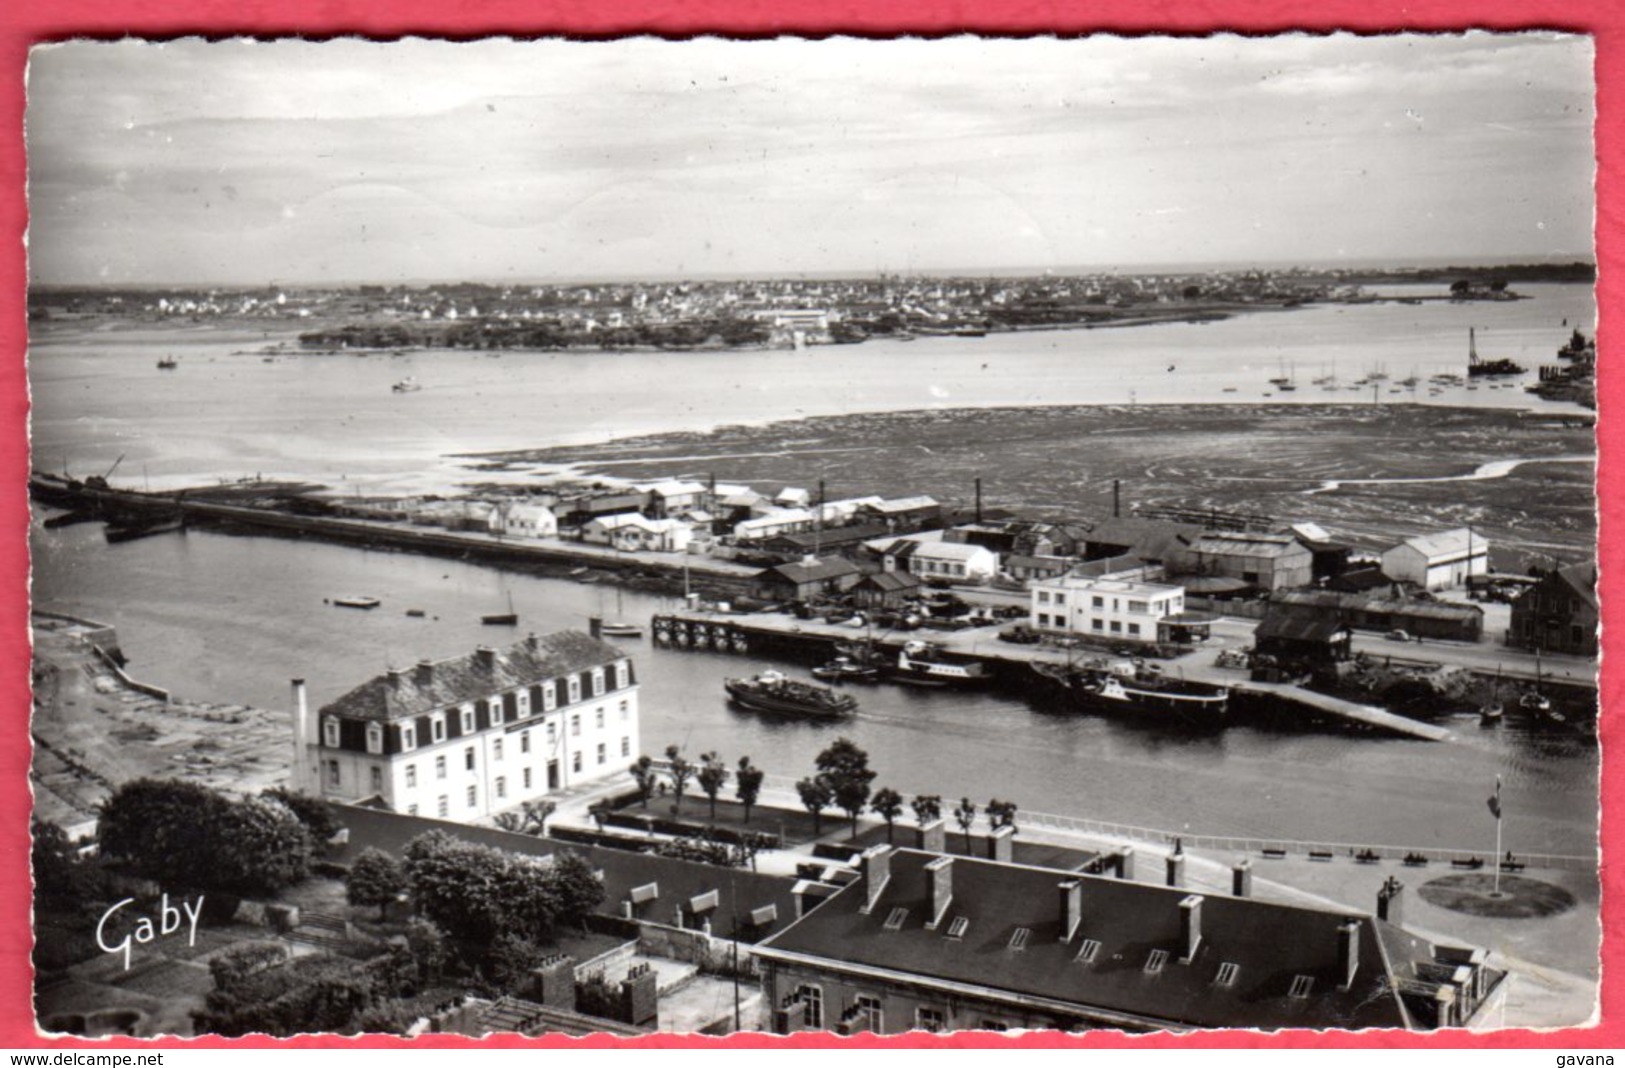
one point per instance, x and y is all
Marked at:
(470, 736)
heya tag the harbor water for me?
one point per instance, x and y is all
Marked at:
(231, 619)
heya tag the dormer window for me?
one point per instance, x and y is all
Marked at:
(1301, 985)
(957, 929)
(1154, 963)
(597, 682)
(523, 698)
(330, 733)
(375, 738)
(496, 711)
(550, 695)
(409, 737)
(623, 675)
(575, 688)
(437, 727)
(1018, 941)
(894, 922)
(1089, 951)
(468, 719)
(1227, 974)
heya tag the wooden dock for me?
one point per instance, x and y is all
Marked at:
(811, 641)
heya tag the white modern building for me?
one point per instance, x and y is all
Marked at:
(467, 737)
(633, 531)
(1103, 607)
(945, 561)
(1438, 561)
(524, 521)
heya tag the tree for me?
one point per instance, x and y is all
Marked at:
(748, 784)
(643, 772)
(161, 829)
(427, 944)
(680, 771)
(313, 812)
(61, 879)
(927, 807)
(816, 796)
(530, 819)
(965, 816)
(712, 776)
(577, 890)
(1001, 813)
(376, 878)
(260, 847)
(845, 768)
(888, 805)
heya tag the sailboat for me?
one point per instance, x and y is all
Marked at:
(619, 627)
(510, 618)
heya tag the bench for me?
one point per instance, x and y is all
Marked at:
(1275, 854)
(1512, 865)
(1322, 855)
(1474, 863)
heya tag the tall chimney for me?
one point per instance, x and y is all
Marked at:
(487, 655)
(1176, 869)
(978, 499)
(424, 672)
(1071, 908)
(939, 874)
(1348, 953)
(1241, 879)
(1117, 499)
(1391, 902)
(595, 626)
(1001, 845)
(875, 863)
(1190, 927)
(301, 780)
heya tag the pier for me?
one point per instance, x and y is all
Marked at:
(811, 641)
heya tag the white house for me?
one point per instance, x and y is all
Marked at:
(470, 736)
(953, 562)
(633, 532)
(1103, 607)
(525, 521)
(1438, 561)
(675, 498)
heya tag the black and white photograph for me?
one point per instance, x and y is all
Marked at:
(703, 536)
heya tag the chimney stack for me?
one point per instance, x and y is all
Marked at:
(1190, 927)
(595, 626)
(978, 500)
(1241, 879)
(1348, 953)
(394, 674)
(1391, 902)
(875, 863)
(939, 875)
(1071, 908)
(1000, 847)
(1117, 499)
(487, 655)
(1125, 863)
(302, 781)
(424, 672)
(933, 836)
(1176, 869)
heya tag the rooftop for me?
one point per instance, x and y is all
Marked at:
(437, 684)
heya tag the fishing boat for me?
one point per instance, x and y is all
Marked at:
(619, 627)
(415, 613)
(357, 601)
(773, 691)
(1478, 368)
(923, 664)
(1136, 689)
(406, 385)
(510, 618)
(168, 363)
(846, 669)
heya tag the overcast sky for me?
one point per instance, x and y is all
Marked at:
(249, 163)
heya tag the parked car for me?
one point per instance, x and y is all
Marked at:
(1397, 636)
(1020, 634)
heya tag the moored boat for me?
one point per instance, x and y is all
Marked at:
(1136, 689)
(168, 363)
(923, 664)
(773, 691)
(406, 385)
(620, 630)
(846, 669)
(357, 602)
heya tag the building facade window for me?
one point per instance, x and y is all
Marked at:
(502, 787)
(550, 696)
(334, 778)
(626, 747)
(377, 779)
(623, 675)
(375, 737)
(473, 796)
(496, 749)
(330, 733)
(598, 682)
(869, 1015)
(599, 713)
(575, 760)
(468, 721)
(437, 727)
(930, 1019)
(411, 776)
(498, 711)
(440, 767)
(575, 725)
(524, 741)
(813, 998)
(411, 810)
(468, 759)
(602, 753)
(626, 710)
(527, 778)
(443, 806)
(575, 688)
(409, 738)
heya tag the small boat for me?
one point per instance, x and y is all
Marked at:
(1491, 713)
(357, 602)
(1134, 688)
(406, 385)
(1477, 368)
(922, 664)
(415, 613)
(620, 630)
(773, 691)
(168, 363)
(510, 618)
(846, 669)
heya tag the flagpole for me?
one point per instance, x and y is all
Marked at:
(1497, 891)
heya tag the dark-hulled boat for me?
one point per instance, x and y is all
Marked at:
(773, 691)
(923, 664)
(1134, 689)
(846, 669)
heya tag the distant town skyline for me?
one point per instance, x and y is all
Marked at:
(241, 163)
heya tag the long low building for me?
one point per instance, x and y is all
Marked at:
(1422, 617)
(939, 943)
